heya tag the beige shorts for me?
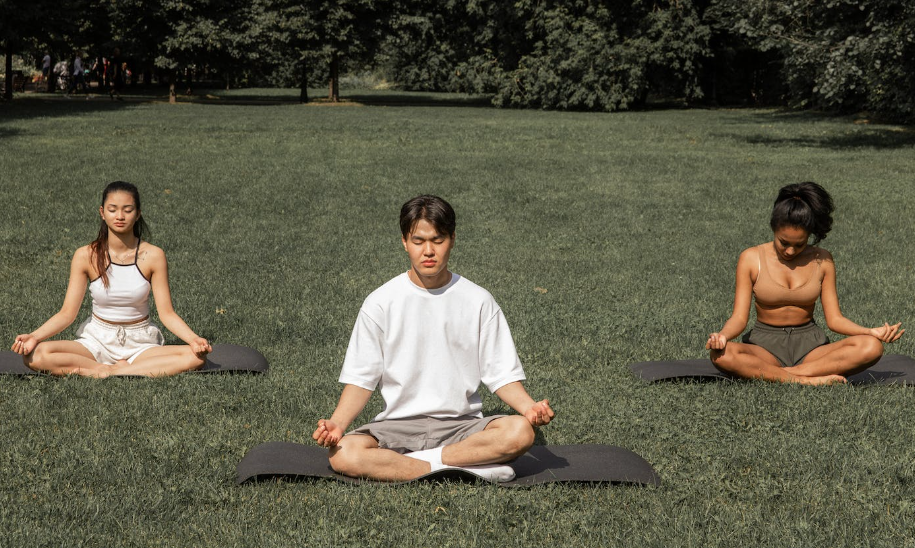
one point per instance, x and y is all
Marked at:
(110, 343)
(416, 434)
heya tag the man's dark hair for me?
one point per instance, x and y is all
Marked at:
(431, 208)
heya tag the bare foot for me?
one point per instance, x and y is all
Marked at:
(824, 380)
(799, 371)
(118, 365)
(103, 370)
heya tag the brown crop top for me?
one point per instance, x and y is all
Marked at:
(769, 293)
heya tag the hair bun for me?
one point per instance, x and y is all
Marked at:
(806, 205)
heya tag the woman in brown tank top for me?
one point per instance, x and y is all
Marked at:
(786, 276)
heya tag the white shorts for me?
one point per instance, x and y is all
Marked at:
(110, 343)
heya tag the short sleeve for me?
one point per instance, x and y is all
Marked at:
(499, 362)
(364, 361)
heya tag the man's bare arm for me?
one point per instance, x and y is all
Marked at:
(352, 402)
(538, 413)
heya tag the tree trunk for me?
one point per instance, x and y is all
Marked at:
(334, 95)
(303, 93)
(228, 80)
(172, 98)
(8, 86)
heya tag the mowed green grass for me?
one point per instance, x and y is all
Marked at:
(606, 239)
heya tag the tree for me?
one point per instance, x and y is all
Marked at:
(326, 31)
(841, 55)
(580, 54)
(175, 35)
(35, 26)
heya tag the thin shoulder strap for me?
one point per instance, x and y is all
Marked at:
(136, 253)
(759, 257)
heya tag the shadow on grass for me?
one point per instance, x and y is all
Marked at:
(356, 98)
(34, 105)
(867, 138)
(53, 106)
(406, 99)
(860, 134)
(6, 132)
(40, 105)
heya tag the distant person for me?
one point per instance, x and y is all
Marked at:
(79, 78)
(45, 72)
(98, 71)
(427, 339)
(116, 66)
(62, 75)
(786, 277)
(120, 269)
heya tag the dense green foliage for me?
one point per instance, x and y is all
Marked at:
(844, 55)
(605, 240)
(582, 55)
(839, 55)
(300, 34)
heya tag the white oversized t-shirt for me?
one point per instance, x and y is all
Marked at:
(428, 350)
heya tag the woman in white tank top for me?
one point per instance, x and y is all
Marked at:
(120, 269)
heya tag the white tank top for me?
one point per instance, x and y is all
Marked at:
(126, 299)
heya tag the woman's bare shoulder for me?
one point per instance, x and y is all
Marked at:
(83, 253)
(150, 251)
(751, 253)
(822, 254)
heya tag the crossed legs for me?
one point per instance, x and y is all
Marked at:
(503, 440)
(825, 364)
(161, 361)
(64, 358)
(70, 357)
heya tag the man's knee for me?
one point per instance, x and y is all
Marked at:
(345, 456)
(516, 434)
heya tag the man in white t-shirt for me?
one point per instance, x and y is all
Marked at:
(427, 339)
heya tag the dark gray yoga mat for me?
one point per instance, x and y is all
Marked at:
(542, 464)
(11, 364)
(225, 358)
(891, 369)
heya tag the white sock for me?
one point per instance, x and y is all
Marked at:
(492, 472)
(489, 472)
(432, 456)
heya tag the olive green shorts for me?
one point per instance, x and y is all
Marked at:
(788, 344)
(416, 434)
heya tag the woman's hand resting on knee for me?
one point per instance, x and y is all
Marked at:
(716, 341)
(201, 347)
(24, 344)
(888, 333)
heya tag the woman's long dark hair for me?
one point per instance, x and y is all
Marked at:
(805, 205)
(98, 249)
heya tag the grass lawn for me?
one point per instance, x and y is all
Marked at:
(606, 239)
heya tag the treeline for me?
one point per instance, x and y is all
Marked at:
(836, 55)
